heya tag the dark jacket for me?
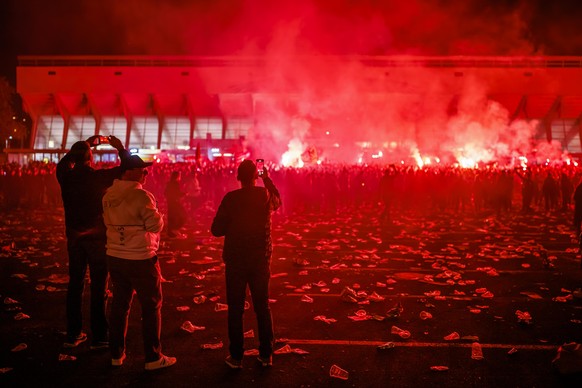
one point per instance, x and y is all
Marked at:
(244, 219)
(82, 189)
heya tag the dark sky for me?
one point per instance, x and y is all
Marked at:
(227, 27)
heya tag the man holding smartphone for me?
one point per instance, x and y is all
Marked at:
(82, 188)
(244, 219)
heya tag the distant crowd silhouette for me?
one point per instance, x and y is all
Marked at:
(335, 188)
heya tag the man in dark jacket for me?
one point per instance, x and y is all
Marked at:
(82, 189)
(244, 218)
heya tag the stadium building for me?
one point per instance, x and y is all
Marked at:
(167, 107)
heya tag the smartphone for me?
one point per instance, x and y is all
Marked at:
(260, 166)
(103, 140)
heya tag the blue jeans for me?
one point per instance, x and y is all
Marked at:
(83, 253)
(144, 277)
(256, 275)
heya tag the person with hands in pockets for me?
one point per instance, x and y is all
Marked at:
(134, 225)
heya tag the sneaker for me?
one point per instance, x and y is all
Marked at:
(265, 361)
(118, 361)
(233, 363)
(74, 342)
(163, 362)
(99, 345)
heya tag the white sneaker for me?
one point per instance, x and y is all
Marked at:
(163, 362)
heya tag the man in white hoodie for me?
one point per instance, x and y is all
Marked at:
(133, 226)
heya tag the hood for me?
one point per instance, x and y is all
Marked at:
(120, 191)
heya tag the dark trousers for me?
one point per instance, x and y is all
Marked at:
(144, 277)
(176, 216)
(83, 253)
(256, 276)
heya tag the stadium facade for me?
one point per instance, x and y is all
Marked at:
(163, 104)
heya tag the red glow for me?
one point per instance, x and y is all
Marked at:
(303, 100)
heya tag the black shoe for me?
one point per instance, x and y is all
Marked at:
(118, 361)
(233, 363)
(265, 361)
(99, 345)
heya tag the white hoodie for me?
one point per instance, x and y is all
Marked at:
(132, 220)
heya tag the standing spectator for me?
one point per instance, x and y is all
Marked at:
(387, 192)
(567, 188)
(82, 189)
(528, 190)
(133, 237)
(551, 191)
(244, 218)
(505, 182)
(194, 193)
(176, 212)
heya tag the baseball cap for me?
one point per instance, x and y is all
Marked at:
(134, 161)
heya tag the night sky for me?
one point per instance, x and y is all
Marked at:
(230, 27)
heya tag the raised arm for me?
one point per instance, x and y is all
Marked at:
(274, 196)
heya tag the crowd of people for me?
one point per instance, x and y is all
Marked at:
(185, 188)
(32, 185)
(114, 221)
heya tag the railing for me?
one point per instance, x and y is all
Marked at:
(372, 61)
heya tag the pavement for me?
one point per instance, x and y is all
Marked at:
(430, 285)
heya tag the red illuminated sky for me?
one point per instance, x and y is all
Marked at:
(430, 27)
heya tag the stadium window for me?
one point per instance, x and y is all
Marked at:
(208, 125)
(80, 128)
(144, 132)
(114, 125)
(49, 132)
(561, 129)
(237, 127)
(176, 132)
